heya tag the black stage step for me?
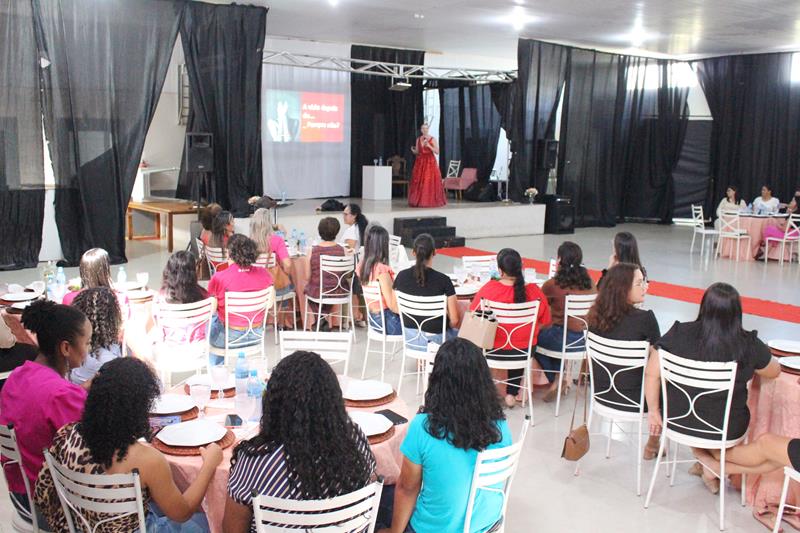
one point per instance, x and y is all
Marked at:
(408, 228)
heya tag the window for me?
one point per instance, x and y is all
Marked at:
(648, 76)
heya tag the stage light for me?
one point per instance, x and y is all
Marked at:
(400, 85)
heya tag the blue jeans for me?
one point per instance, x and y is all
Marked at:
(243, 338)
(156, 522)
(552, 338)
(391, 322)
(421, 341)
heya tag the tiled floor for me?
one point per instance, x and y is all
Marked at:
(546, 496)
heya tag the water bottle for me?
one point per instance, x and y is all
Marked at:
(122, 278)
(302, 242)
(293, 241)
(51, 287)
(380, 161)
(241, 373)
(283, 196)
(61, 284)
(255, 390)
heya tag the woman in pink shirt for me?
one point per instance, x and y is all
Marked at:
(268, 242)
(37, 398)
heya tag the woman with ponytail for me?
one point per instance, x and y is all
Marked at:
(511, 288)
(355, 225)
(571, 278)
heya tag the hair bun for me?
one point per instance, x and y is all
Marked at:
(38, 315)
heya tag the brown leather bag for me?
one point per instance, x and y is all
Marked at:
(576, 444)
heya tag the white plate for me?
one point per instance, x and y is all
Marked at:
(20, 305)
(365, 390)
(785, 345)
(20, 296)
(198, 432)
(468, 289)
(36, 286)
(792, 362)
(205, 379)
(169, 404)
(128, 286)
(370, 423)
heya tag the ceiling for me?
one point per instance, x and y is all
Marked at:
(675, 28)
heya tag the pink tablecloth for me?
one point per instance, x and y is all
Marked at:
(773, 409)
(14, 323)
(754, 226)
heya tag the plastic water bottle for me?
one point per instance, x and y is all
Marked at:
(380, 161)
(61, 284)
(293, 240)
(302, 242)
(255, 390)
(51, 287)
(122, 277)
(241, 373)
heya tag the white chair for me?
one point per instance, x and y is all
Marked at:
(333, 346)
(492, 468)
(419, 311)
(349, 513)
(575, 306)
(376, 328)
(453, 167)
(397, 252)
(699, 228)
(340, 271)
(479, 263)
(553, 268)
(510, 319)
(180, 347)
(23, 519)
(116, 496)
(791, 236)
(731, 229)
(701, 378)
(215, 257)
(269, 262)
(626, 358)
(789, 473)
(251, 307)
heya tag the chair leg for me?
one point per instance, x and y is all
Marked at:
(383, 356)
(655, 472)
(402, 369)
(722, 489)
(608, 442)
(782, 505)
(275, 313)
(691, 248)
(560, 378)
(744, 490)
(783, 250)
(639, 462)
(674, 465)
(366, 356)
(528, 388)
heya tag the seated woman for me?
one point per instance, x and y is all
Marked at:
(101, 308)
(13, 353)
(221, 231)
(769, 452)
(242, 275)
(327, 228)
(307, 447)
(626, 250)
(716, 335)
(615, 316)
(766, 204)
(355, 226)
(462, 416)
(207, 216)
(374, 267)
(36, 397)
(106, 441)
(779, 232)
(730, 204)
(179, 281)
(95, 271)
(510, 341)
(423, 280)
(261, 231)
(571, 278)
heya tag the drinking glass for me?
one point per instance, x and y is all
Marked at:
(143, 278)
(243, 405)
(201, 395)
(219, 375)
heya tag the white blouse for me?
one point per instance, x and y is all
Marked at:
(725, 206)
(761, 207)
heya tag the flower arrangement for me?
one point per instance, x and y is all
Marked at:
(531, 193)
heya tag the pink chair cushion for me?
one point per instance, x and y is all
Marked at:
(461, 183)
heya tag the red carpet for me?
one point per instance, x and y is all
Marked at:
(751, 306)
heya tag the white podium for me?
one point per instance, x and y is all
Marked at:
(376, 183)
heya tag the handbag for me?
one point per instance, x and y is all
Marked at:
(201, 268)
(576, 444)
(479, 327)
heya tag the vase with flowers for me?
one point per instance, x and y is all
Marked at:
(531, 193)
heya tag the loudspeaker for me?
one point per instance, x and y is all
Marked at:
(560, 214)
(199, 152)
(547, 153)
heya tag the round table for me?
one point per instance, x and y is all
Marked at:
(754, 226)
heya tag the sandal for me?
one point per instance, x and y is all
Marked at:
(712, 484)
(650, 452)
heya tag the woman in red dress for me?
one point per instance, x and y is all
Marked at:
(427, 187)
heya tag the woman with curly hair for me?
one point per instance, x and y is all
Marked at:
(571, 278)
(307, 447)
(461, 417)
(106, 441)
(101, 308)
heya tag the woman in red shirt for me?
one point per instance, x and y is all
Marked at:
(511, 288)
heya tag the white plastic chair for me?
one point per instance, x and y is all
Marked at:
(629, 358)
(269, 261)
(553, 268)
(176, 325)
(349, 513)
(789, 473)
(575, 306)
(731, 229)
(703, 378)
(115, 495)
(496, 467)
(419, 311)
(340, 270)
(215, 256)
(333, 346)
(699, 228)
(791, 236)
(376, 328)
(453, 167)
(479, 263)
(510, 319)
(252, 307)
(23, 519)
(397, 252)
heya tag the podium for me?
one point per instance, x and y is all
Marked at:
(376, 182)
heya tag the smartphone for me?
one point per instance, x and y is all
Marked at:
(394, 417)
(233, 421)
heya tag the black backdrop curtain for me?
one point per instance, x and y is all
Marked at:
(755, 137)
(107, 64)
(383, 122)
(223, 46)
(691, 172)
(21, 153)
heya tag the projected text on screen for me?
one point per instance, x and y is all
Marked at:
(307, 117)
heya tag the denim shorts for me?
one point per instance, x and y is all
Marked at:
(391, 322)
(242, 338)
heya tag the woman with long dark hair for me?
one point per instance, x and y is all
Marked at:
(207, 216)
(462, 416)
(374, 267)
(355, 224)
(100, 306)
(307, 446)
(626, 250)
(571, 278)
(766, 204)
(732, 202)
(510, 341)
(716, 335)
(221, 230)
(179, 280)
(106, 441)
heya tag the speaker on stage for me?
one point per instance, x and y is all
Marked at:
(547, 154)
(560, 214)
(199, 152)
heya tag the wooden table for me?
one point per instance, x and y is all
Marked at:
(168, 208)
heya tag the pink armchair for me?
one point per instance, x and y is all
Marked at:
(459, 185)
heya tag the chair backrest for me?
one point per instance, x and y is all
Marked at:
(420, 311)
(698, 220)
(730, 223)
(512, 318)
(252, 307)
(215, 257)
(349, 513)
(266, 260)
(397, 252)
(338, 272)
(469, 176)
(333, 346)
(695, 380)
(494, 472)
(10, 450)
(792, 230)
(479, 263)
(200, 247)
(114, 496)
(553, 268)
(453, 167)
(187, 320)
(577, 306)
(373, 297)
(628, 358)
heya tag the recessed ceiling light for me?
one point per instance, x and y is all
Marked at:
(419, 16)
(333, 3)
(519, 18)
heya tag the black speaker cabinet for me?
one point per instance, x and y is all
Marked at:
(547, 154)
(199, 152)
(560, 214)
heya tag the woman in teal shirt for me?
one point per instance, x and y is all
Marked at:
(462, 416)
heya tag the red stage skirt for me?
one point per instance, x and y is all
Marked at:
(426, 188)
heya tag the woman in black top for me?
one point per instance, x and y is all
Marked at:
(716, 335)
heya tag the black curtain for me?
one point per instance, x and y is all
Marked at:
(542, 71)
(691, 172)
(755, 137)
(107, 64)
(384, 123)
(21, 153)
(223, 46)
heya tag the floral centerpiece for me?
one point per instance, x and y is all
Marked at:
(531, 193)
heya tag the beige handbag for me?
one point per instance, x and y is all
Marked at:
(480, 327)
(577, 442)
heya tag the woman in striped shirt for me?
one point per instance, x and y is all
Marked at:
(307, 447)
